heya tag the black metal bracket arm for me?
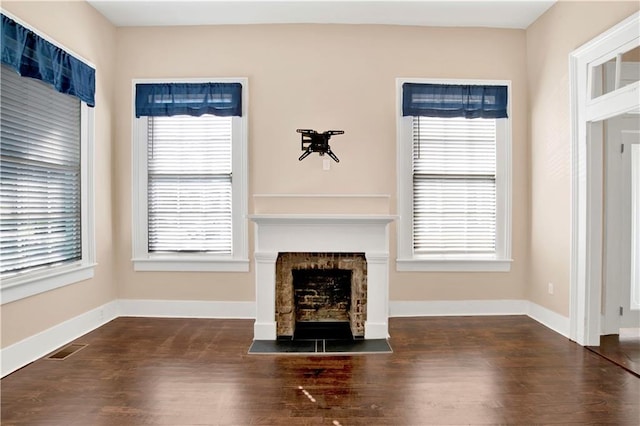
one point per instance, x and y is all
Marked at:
(312, 141)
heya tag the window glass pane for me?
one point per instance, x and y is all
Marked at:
(40, 176)
(454, 215)
(603, 78)
(617, 72)
(189, 184)
(454, 187)
(630, 68)
(453, 146)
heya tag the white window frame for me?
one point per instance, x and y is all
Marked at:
(238, 260)
(42, 280)
(407, 260)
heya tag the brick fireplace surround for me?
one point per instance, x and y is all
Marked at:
(351, 300)
(318, 234)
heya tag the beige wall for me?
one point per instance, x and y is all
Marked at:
(564, 27)
(81, 29)
(321, 77)
(325, 77)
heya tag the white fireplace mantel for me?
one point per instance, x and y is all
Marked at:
(278, 233)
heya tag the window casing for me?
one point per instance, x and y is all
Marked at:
(190, 190)
(454, 196)
(47, 188)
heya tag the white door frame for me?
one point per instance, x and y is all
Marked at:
(587, 168)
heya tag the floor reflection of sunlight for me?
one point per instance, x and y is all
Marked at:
(312, 399)
(460, 390)
(200, 394)
(307, 394)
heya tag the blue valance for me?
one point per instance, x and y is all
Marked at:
(449, 100)
(32, 56)
(196, 99)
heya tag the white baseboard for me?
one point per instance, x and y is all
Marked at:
(457, 308)
(186, 309)
(546, 317)
(30, 349)
(549, 318)
(264, 330)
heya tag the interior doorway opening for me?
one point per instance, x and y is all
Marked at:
(597, 94)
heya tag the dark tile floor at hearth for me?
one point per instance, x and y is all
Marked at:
(320, 347)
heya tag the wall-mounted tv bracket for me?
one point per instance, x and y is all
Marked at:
(313, 141)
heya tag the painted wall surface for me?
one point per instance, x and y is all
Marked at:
(326, 77)
(321, 77)
(81, 29)
(550, 40)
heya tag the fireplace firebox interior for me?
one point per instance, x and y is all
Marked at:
(321, 295)
(322, 300)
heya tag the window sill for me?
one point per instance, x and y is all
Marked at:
(168, 263)
(20, 287)
(453, 265)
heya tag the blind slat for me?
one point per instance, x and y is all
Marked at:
(40, 213)
(454, 188)
(189, 184)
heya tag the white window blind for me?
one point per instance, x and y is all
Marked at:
(40, 176)
(454, 185)
(189, 184)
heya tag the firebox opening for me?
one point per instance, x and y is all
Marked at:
(328, 330)
(337, 293)
(322, 299)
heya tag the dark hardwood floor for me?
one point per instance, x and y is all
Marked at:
(622, 349)
(454, 370)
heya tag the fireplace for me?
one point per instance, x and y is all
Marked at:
(320, 289)
(358, 244)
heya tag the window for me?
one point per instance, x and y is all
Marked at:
(454, 198)
(189, 184)
(46, 127)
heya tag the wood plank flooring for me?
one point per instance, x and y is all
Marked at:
(622, 349)
(443, 371)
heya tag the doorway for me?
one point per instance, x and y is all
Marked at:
(600, 90)
(620, 308)
(620, 323)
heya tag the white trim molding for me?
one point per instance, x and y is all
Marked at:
(549, 318)
(186, 309)
(238, 260)
(407, 260)
(35, 282)
(453, 265)
(587, 168)
(344, 233)
(456, 308)
(32, 348)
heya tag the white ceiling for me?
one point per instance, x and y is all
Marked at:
(452, 13)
